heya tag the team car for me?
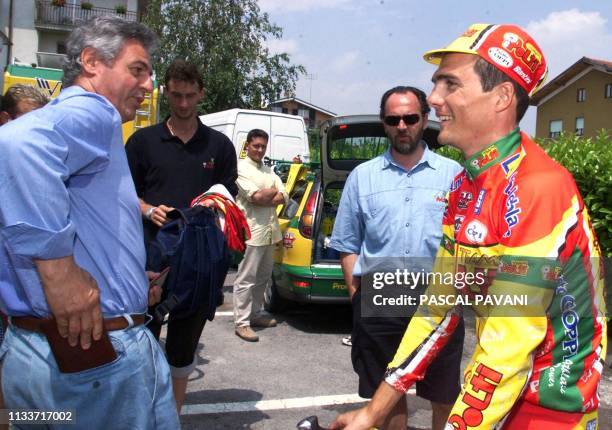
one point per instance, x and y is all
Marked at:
(306, 269)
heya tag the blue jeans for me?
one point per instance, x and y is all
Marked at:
(132, 392)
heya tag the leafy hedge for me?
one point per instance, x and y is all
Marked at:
(589, 160)
(314, 141)
(452, 153)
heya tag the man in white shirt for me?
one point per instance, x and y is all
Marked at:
(260, 191)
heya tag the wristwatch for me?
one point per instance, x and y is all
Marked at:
(149, 212)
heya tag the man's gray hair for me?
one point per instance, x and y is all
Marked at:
(107, 35)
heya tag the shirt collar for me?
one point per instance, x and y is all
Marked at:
(428, 159)
(253, 163)
(166, 135)
(492, 154)
(71, 90)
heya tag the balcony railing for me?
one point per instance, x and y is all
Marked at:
(67, 16)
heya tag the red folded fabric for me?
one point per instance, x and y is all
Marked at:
(236, 229)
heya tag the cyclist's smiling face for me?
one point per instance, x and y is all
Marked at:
(467, 114)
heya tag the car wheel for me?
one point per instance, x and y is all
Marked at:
(273, 302)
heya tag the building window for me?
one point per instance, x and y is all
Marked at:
(609, 91)
(61, 47)
(278, 109)
(579, 126)
(556, 127)
(304, 114)
(581, 95)
(285, 110)
(294, 112)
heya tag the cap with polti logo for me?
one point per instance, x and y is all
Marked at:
(507, 47)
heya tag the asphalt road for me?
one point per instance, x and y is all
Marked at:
(297, 369)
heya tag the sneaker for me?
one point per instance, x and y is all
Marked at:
(246, 333)
(348, 341)
(263, 321)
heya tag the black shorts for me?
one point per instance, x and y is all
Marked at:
(182, 336)
(375, 341)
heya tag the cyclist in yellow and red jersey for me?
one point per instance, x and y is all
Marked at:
(516, 223)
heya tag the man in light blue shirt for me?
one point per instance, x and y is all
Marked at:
(389, 218)
(71, 244)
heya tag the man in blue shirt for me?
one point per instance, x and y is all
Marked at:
(390, 218)
(71, 244)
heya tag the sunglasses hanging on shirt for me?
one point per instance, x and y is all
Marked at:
(394, 120)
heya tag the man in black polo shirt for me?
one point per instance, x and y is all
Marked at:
(171, 163)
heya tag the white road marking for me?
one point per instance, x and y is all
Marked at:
(269, 405)
(224, 314)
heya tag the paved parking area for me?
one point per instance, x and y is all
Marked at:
(298, 368)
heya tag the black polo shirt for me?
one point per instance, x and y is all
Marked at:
(168, 172)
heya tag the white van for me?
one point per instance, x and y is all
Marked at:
(288, 135)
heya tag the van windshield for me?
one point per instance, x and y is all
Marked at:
(357, 141)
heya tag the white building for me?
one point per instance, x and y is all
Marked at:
(34, 31)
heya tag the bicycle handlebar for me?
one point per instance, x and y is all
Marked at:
(310, 423)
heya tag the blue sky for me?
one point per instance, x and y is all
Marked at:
(355, 50)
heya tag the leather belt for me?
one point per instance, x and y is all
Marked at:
(110, 324)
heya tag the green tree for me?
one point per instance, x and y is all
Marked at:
(227, 40)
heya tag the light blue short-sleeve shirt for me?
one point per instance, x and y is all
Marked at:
(392, 217)
(66, 189)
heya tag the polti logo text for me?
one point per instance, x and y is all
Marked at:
(527, 53)
(483, 383)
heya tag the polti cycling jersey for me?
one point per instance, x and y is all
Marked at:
(515, 221)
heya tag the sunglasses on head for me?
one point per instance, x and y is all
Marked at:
(394, 120)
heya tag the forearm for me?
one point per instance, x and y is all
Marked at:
(68, 288)
(74, 299)
(426, 335)
(57, 271)
(347, 262)
(373, 414)
(144, 207)
(155, 214)
(382, 403)
(278, 199)
(264, 197)
(58, 276)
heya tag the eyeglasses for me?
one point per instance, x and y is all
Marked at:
(394, 120)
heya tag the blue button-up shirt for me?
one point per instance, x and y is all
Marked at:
(392, 217)
(66, 189)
